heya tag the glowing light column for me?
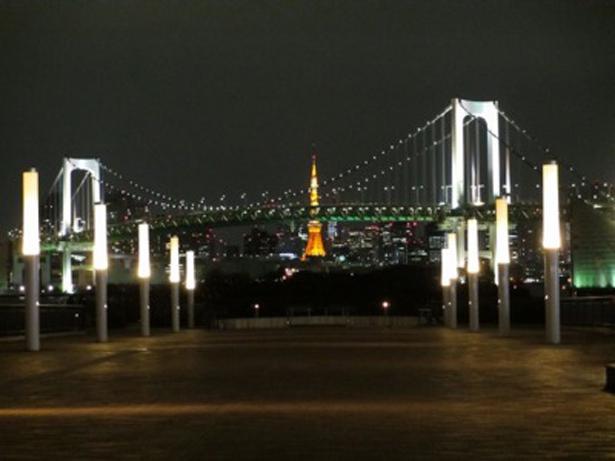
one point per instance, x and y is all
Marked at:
(445, 282)
(502, 260)
(31, 254)
(452, 275)
(101, 266)
(174, 279)
(551, 242)
(190, 286)
(144, 273)
(473, 268)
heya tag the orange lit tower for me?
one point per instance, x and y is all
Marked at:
(314, 247)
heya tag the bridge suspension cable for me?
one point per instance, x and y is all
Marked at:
(547, 152)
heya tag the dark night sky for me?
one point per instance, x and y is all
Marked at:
(204, 98)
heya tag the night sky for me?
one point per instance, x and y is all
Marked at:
(204, 98)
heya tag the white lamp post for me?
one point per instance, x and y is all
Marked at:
(31, 254)
(101, 265)
(502, 260)
(144, 273)
(551, 242)
(174, 279)
(452, 275)
(190, 286)
(473, 268)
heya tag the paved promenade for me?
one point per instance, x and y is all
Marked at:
(305, 394)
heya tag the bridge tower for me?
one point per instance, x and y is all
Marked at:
(71, 164)
(462, 192)
(69, 225)
(315, 246)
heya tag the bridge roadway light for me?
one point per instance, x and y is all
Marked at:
(144, 273)
(551, 243)
(473, 268)
(101, 266)
(31, 255)
(452, 275)
(174, 279)
(502, 260)
(190, 286)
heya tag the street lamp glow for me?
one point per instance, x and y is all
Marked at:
(445, 281)
(174, 269)
(190, 279)
(550, 207)
(473, 259)
(144, 270)
(452, 256)
(31, 241)
(101, 258)
(386, 305)
(502, 251)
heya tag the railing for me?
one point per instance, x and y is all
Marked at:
(361, 321)
(588, 310)
(54, 318)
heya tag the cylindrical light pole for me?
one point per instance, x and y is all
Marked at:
(31, 253)
(144, 273)
(101, 265)
(502, 260)
(473, 267)
(445, 283)
(452, 275)
(190, 286)
(551, 242)
(174, 279)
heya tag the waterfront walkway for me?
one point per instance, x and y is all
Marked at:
(305, 394)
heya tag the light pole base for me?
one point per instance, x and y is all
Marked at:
(552, 306)
(32, 311)
(175, 307)
(503, 299)
(453, 304)
(190, 296)
(473, 306)
(145, 323)
(446, 292)
(101, 306)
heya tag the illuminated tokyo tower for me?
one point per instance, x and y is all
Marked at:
(314, 247)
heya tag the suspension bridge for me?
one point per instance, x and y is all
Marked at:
(452, 167)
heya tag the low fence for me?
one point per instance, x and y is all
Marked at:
(316, 320)
(588, 310)
(54, 318)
